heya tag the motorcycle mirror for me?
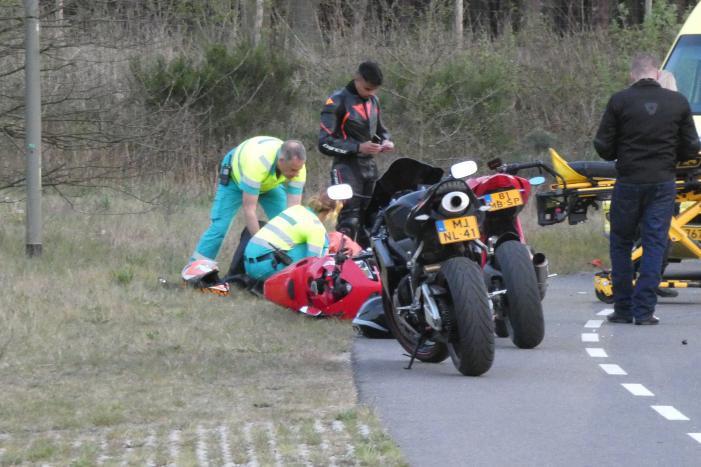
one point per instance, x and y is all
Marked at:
(463, 169)
(340, 192)
(535, 181)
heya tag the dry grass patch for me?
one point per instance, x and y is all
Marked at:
(569, 248)
(92, 348)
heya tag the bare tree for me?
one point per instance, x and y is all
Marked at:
(258, 24)
(96, 132)
(458, 23)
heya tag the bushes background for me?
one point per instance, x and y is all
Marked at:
(163, 92)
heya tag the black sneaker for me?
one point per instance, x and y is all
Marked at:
(651, 321)
(621, 319)
(666, 293)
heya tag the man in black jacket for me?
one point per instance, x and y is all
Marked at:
(647, 129)
(352, 133)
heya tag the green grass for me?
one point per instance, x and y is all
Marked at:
(93, 348)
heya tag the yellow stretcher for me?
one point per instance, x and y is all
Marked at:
(583, 184)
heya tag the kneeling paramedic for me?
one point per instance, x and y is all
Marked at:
(298, 231)
(262, 170)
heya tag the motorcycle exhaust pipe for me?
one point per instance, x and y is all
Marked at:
(540, 263)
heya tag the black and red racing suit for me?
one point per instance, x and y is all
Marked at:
(348, 120)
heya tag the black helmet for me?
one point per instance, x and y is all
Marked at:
(370, 320)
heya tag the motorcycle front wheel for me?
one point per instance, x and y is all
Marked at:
(524, 309)
(471, 346)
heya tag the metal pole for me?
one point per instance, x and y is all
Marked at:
(32, 117)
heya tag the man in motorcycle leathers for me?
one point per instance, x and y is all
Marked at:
(352, 132)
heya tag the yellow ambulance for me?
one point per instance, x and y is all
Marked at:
(684, 62)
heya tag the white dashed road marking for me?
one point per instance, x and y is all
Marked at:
(637, 389)
(596, 352)
(594, 323)
(669, 412)
(612, 369)
(590, 337)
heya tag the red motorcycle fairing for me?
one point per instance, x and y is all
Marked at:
(320, 287)
(489, 184)
(498, 182)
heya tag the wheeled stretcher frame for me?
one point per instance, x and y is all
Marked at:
(582, 185)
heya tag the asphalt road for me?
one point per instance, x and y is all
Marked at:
(554, 405)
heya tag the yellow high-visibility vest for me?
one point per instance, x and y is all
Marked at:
(254, 163)
(294, 226)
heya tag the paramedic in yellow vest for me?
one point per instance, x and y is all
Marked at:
(261, 170)
(299, 231)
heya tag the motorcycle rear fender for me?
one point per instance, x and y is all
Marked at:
(505, 237)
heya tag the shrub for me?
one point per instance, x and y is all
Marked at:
(454, 107)
(235, 91)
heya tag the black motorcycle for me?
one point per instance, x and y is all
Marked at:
(424, 232)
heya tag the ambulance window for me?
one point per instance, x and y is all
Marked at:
(685, 64)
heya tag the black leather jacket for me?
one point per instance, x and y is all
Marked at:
(348, 120)
(647, 129)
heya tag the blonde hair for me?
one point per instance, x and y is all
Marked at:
(667, 80)
(322, 204)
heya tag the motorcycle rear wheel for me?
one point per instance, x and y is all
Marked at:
(429, 352)
(471, 346)
(525, 310)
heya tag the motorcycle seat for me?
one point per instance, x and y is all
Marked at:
(581, 171)
(605, 169)
(595, 169)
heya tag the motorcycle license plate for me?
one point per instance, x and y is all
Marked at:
(504, 199)
(694, 233)
(459, 229)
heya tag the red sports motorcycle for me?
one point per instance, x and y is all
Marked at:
(333, 285)
(516, 279)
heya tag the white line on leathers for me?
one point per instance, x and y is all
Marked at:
(594, 323)
(637, 389)
(612, 369)
(669, 412)
(605, 312)
(590, 337)
(696, 436)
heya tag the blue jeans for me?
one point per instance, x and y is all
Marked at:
(650, 207)
(227, 202)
